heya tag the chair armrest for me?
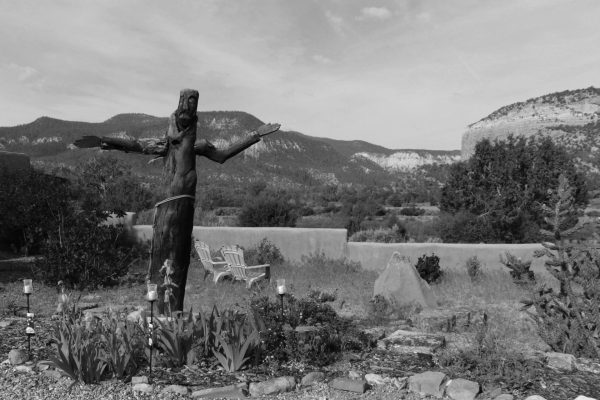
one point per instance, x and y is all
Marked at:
(218, 262)
(259, 266)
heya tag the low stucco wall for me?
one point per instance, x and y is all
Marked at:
(296, 242)
(374, 256)
(292, 242)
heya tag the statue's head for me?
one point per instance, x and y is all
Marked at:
(186, 111)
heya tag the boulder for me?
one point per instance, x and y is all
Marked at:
(312, 377)
(401, 284)
(273, 386)
(560, 361)
(17, 357)
(535, 397)
(428, 383)
(462, 389)
(584, 398)
(411, 342)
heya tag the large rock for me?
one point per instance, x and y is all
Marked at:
(401, 284)
(428, 383)
(411, 342)
(462, 389)
(273, 386)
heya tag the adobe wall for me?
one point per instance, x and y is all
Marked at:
(292, 242)
(296, 242)
(374, 256)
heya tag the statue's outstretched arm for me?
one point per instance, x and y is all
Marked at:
(208, 150)
(154, 146)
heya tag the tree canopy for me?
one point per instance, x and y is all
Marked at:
(500, 190)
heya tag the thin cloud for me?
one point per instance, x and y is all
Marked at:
(377, 13)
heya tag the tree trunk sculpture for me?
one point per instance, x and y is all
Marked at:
(174, 216)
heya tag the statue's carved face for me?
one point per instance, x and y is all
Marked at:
(186, 111)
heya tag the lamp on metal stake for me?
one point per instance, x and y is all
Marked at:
(281, 290)
(152, 297)
(29, 331)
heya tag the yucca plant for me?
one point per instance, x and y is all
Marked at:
(80, 353)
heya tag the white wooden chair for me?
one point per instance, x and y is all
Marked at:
(242, 272)
(219, 269)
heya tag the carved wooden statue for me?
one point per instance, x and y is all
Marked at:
(174, 216)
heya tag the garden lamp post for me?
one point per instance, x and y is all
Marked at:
(152, 297)
(281, 290)
(29, 331)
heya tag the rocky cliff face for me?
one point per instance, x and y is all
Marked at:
(570, 117)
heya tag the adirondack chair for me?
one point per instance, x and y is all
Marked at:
(249, 274)
(219, 269)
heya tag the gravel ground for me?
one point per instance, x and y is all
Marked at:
(21, 386)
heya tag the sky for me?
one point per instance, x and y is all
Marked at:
(397, 73)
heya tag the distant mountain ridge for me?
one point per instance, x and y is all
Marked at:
(287, 155)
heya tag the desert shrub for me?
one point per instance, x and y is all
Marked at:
(321, 343)
(568, 320)
(83, 253)
(31, 206)
(503, 184)
(264, 253)
(268, 210)
(378, 235)
(520, 270)
(412, 211)
(428, 268)
(473, 266)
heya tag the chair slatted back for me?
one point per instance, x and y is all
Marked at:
(235, 258)
(204, 253)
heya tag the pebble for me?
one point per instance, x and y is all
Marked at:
(142, 387)
(139, 379)
(375, 379)
(312, 377)
(175, 389)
